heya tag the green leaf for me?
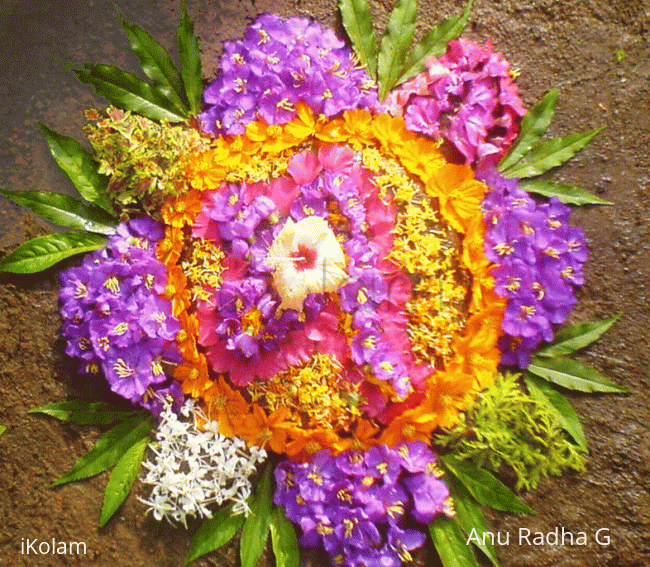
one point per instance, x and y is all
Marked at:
(482, 485)
(129, 92)
(534, 124)
(566, 416)
(434, 43)
(2, 429)
(64, 210)
(157, 65)
(395, 44)
(80, 167)
(190, 58)
(451, 544)
(122, 478)
(575, 337)
(110, 447)
(44, 251)
(569, 194)
(85, 413)
(573, 375)
(550, 154)
(357, 21)
(469, 516)
(284, 540)
(214, 533)
(256, 527)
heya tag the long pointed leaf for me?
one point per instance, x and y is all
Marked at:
(190, 58)
(488, 490)
(127, 91)
(284, 540)
(357, 21)
(42, 252)
(533, 126)
(451, 544)
(214, 533)
(575, 337)
(80, 167)
(122, 479)
(84, 413)
(394, 45)
(64, 210)
(157, 65)
(470, 517)
(573, 375)
(109, 448)
(256, 527)
(566, 416)
(2, 429)
(569, 194)
(434, 43)
(550, 154)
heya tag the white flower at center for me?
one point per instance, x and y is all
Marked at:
(306, 258)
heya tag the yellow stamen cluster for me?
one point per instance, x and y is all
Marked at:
(259, 168)
(251, 322)
(428, 249)
(314, 392)
(204, 268)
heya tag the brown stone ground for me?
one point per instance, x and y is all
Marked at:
(570, 45)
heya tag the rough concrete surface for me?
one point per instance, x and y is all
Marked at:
(570, 45)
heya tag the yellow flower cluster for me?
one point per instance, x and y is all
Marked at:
(314, 390)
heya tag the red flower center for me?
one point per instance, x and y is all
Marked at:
(305, 258)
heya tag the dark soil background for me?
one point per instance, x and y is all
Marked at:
(571, 45)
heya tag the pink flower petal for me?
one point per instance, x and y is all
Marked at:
(336, 158)
(304, 168)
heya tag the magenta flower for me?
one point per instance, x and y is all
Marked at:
(467, 97)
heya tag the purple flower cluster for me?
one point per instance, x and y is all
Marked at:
(356, 505)
(278, 63)
(114, 318)
(539, 259)
(468, 97)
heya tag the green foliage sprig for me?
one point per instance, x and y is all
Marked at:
(391, 64)
(506, 426)
(171, 95)
(121, 447)
(528, 157)
(145, 160)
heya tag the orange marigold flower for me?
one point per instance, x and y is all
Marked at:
(459, 194)
(332, 131)
(176, 290)
(186, 337)
(413, 425)
(420, 156)
(169, 248)
(358, 125)
(306, 443)
(182, 210)
(267, 431)
(364, 436)
(477, 351)
(304, 124)
(228, 407)
(193, 376)
(274, 138)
